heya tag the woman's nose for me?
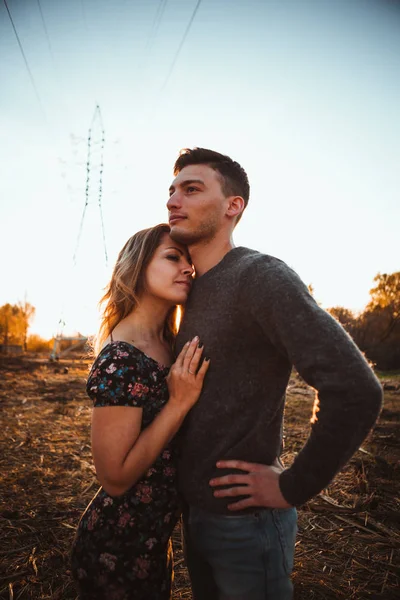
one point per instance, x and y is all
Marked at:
(188, 270)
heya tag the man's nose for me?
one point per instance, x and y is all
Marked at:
(174, 200)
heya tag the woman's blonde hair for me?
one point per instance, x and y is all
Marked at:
(127, 283)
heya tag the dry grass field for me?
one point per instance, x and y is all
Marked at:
(349, 536)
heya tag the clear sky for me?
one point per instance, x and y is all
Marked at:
(305, 94)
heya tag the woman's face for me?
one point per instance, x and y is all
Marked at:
(169, 273)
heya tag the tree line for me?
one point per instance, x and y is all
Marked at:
(15, 320)
(376, 331)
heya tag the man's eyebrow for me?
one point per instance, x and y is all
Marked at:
(186, 182)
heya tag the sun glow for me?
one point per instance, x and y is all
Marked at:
(178, 317)
(314, 417)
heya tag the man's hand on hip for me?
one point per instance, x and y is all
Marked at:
(260, 484)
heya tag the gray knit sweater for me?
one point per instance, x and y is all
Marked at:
(256, 320)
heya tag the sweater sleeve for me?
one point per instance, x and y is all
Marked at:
(349, 396)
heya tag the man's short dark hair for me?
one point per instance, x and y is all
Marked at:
(234, 180)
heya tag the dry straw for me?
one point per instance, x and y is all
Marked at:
(349, 539)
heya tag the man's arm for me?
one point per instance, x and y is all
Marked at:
(349, 395)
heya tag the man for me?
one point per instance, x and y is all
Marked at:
(256, 320)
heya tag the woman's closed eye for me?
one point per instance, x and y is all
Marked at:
(173, 257)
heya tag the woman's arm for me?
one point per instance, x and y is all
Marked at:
(121, 452)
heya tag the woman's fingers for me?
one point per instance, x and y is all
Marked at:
(181, 355)
(188, 361)
(194, 363)
(191, 349)
(203, 369)
(186, 376)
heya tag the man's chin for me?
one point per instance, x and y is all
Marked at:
(178, 234)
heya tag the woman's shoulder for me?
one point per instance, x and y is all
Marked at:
(118, 349)
(126, 351)
(118, 357)
(121, 371)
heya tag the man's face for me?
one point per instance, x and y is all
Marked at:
(196, 205)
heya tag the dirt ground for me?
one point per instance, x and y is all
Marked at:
(348, 544)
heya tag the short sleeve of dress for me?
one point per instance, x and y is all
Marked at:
(119, 377)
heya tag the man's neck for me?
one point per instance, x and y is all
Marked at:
(206, 254)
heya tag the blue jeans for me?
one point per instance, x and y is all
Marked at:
(240, 557)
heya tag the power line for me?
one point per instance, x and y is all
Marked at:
(152, 35)
(56, 73)
(156, 24)
(45, 30)
(180, 46)
(164, 5)
(43, 111)
(26, 62)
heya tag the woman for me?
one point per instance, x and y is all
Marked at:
(122, 549)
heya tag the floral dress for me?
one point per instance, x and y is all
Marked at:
(122, 549)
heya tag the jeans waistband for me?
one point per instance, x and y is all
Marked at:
(256, 513)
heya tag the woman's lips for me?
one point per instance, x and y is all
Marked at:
(186, 284)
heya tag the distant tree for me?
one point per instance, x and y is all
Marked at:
(344, 316)
(14, 323)
(377, 330)
(27, 312)
(385, 301)
(311, 290)
(37, 344)
(9, 324)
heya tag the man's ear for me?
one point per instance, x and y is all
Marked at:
(235, 206)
